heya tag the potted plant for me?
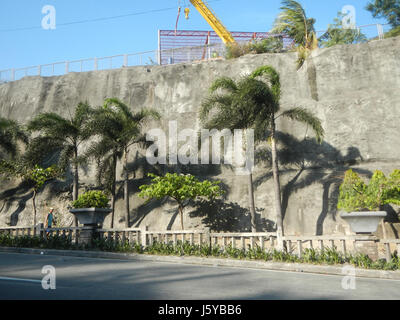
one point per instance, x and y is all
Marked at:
(364, 203)
(91, 208)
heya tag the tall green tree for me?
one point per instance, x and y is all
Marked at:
(294, 22)
(336, 34)
(65, 135)
(181, 188)
(387, 9)
(34, 175)
(253, 102)
(236, 105)
(11, 134)
(118, 130)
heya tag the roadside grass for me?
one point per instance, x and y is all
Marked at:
(327, 256)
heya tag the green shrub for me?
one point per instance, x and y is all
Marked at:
(236, 50)
(355, 195)
(325, 256)
(91, 199)
(269, 45)
(395, 32)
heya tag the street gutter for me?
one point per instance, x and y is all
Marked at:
(216, 262)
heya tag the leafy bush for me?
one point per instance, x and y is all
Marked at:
(395, 32)
(236, 50)
(355, 195)
(269, 45)
(91, 199)
(336, 34)
(181, 188)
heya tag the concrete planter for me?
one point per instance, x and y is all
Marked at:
(90, 216)
(364, 221)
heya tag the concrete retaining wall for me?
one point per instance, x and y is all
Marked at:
(354, 89)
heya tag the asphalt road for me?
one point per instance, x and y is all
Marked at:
(87, 278)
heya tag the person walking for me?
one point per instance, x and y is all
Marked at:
(49, 221)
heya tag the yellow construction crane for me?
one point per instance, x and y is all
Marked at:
(212, 20)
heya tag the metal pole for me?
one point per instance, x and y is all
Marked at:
(125, 60)
(379, 27)
(95, 64)
(66, 66)
(159, 48)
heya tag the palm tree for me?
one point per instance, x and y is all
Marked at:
(61, 134)
(11, 133)
(118, 129)
(293, 21)
(254, 102)
(239, 106)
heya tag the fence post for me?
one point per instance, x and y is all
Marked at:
(125, 60)
(39, 70)
(143, 234)
(343, 246)
(388, 254)
(299, 248)
(379, 27)
(66, 67)
(96, 65)
(207, 235)
(38, 229)
(12, 74)
(192, 238)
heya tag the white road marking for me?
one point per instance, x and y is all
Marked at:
(20, 279)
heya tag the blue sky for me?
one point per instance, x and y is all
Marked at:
(133, 33)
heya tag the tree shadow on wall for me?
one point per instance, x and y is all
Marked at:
(220, 215)
(311, 163)
(139, 166)
(20, 195)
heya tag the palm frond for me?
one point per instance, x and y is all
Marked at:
(215, 101)
(306, 117)
(11, 133)
(223, 83)
(272, 77)
(41, 148)
(294, 22)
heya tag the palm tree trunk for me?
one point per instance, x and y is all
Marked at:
(75, 186)
(277, 189)
(126, 188)
(114, 164)
(251, 203)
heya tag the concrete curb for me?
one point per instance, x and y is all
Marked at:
(216, 262)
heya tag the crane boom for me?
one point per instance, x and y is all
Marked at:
(213, 21)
